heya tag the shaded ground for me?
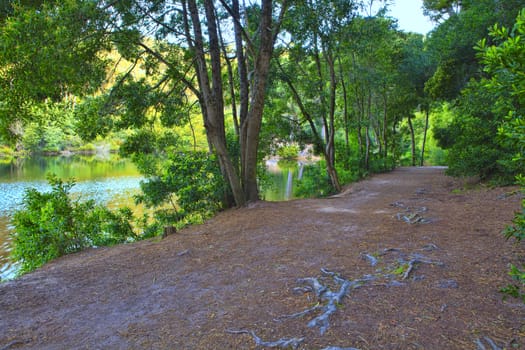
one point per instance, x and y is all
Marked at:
(242, 271)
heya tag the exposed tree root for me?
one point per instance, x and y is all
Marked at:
(418, 259)
(281, 343)
(330, 298)
(492, 344)
(372, 259)
(411, 215)
(331, 288)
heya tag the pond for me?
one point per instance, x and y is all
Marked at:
(108, 179)
(104, 178)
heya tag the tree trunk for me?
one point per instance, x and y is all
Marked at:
(385, 123)
(257, 98)
(345, 116)
(211, 98)
(412, 140)
(212, 94)
(367, 149)
(424, 137)
(231, 83)
(242, 70)
(330, 145)
(330, 169)
(367, 131)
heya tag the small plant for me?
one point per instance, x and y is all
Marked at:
(53, 224)
(516, 231)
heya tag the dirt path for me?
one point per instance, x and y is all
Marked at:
(434, 284)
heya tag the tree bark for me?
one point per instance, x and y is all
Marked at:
(424, 137)
(330, 145)
(231, 83)
(412, 140)
(212, 94)
(345, 116)
(385, 123)
(258, 93)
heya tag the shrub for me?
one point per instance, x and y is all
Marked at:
(53, 224)
(504, 62)
(288, 151)
(315, 182)
(186, 188)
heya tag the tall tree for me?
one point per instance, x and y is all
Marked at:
(316, 30)
(177, 44)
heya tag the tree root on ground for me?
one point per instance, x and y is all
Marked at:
(332, 299)
(492, 344)
(411, 215)
(281, 343)
(330, 290)
(417, 259)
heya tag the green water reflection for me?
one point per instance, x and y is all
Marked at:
(282, 179)
(107, 179)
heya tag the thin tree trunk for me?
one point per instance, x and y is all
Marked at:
(231, 82)
(424, 137)
(330, 169)
(367, 149)
(367, 132)
(412, 140)
(385, 123)
(244, 89)
(330, 146)
(345, 116)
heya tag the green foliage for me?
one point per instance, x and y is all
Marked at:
(515, 290)
(453, 41)
(52, 129)
(504, 63)
(474, 148)
(186, 188)
(315, 182)
(53, 224)
(517, 230)
(289, 152)
(47, 52)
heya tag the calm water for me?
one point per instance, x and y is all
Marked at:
(109, 180)
(282, 178)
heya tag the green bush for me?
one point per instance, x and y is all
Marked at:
(185, 189)
(288, 151)
(504, 63)
(53, 224)
(315, 182)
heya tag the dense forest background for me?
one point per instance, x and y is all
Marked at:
(199, 93)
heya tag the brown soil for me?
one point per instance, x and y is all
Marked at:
(241, 270)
